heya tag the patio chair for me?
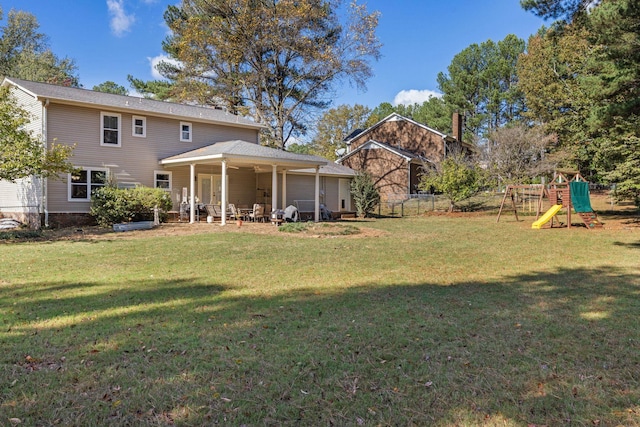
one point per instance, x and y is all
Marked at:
(213, 211)
(257, 214)
(233, 212)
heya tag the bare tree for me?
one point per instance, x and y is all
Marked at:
(518, 154)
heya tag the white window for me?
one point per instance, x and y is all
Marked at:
(139, 126)
(110, 134)
(83, 183)
(162, 179)
(185, 132)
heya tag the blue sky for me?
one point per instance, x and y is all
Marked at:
(110, 39)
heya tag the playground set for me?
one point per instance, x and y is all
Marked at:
(569, 194)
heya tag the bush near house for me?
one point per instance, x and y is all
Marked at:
(365, 195)
(111, 205)
(456, 178)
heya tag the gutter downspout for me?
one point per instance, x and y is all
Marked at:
(45, 187)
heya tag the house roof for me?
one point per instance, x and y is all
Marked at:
(244, 154)
(396, 117)
(333, 169)
(392, 117)
(85, 97)
(372, 144)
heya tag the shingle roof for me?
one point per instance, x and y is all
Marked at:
(243, 150)
(72, 95)
(391, 117)
(407, 155)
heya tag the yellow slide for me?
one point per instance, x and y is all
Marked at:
(546, 217)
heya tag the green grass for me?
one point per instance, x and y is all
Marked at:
(434, 321)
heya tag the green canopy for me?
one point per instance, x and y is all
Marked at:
(580, 196)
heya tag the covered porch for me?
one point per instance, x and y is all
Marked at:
(240, 172)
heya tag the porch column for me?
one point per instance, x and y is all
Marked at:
(284, 189)
(223, 195)
(317, 198)
(274, 189)
(192, 185)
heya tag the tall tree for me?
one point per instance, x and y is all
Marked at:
(334, 126)
(379, 113)
(482, 83)
(25, 54)
(558, 75)
(21, 153)
(557, 9)
(607, 89)
(518, 154)
(433, 113)
(615, 25)
(154, 89)
(110, 87)
(276, 60)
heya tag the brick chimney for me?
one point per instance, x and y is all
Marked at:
(457, 126)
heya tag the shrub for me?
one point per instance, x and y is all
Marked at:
(456, 178)
(111, 205)
(365, 194)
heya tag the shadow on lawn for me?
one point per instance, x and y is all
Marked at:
(635, 245)
(543, 348)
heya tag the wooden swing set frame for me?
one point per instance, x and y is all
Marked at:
(558, 192)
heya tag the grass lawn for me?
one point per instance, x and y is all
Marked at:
(428, 321)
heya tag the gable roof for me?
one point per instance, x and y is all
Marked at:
(394, 117)
(372, 144)
(85, 97)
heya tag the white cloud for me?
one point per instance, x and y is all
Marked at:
(413, 96)
(120, 21)
(154, 63)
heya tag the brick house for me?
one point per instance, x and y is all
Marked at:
(395, 151)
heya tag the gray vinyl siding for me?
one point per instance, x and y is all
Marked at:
(33, 107)
(135, 161)
(302, 187)
(331, 194)
(242, 184)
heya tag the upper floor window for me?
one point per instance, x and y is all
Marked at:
(110, 132)
(162, 179)
(83, 183)
(185, 131)
(139, 126)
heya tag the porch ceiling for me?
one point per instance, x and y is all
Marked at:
(243, 154)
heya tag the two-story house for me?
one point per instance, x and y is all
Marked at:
(195, 153)
(396, 150)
